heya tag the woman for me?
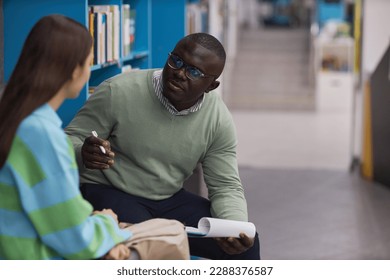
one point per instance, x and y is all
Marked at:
(43, 215)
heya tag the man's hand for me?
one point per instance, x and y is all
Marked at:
(93, 157)
(233, 246)
(107, 212)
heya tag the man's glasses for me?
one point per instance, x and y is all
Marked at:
(191, 72)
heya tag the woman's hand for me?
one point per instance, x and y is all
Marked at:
(107, 212)
(119, 252)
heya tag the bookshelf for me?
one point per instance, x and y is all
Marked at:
(138, 56)
(158, 26)
(19, 17)
(169, 26)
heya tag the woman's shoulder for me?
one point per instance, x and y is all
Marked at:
(42, 122)
(42, 130)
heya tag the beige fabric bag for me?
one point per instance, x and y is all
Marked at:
(158, 239)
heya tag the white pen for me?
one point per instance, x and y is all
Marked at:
(94, 133)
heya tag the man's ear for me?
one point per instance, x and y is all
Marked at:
(213, 86)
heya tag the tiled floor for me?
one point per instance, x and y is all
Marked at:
(294, 161)
(318, 214)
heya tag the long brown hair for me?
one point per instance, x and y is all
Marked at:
(53, 49)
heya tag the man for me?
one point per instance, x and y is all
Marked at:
(158, 125)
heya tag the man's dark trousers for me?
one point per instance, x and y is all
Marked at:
(183, 206)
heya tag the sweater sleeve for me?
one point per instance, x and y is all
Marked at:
(221, 175)
(55, 207)
(67, 226)
(96, 114)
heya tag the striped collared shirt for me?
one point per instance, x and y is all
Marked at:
(158, 87)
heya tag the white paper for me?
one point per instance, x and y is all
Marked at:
(213, 227)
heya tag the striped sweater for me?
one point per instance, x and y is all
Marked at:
(42, 213)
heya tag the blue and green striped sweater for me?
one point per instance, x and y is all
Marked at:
(42, 213)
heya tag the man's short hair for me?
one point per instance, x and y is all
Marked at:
(209, 42)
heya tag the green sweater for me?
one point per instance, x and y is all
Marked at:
(155, 151)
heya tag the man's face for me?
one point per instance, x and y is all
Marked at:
(178, 87)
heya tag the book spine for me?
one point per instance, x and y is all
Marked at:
(126, 30)
(116, 31)
(91, 28)
(132, 29)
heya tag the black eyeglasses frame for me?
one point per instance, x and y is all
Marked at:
(186, 67)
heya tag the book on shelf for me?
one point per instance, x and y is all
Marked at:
(91, 19)
(132, 29)
(101, 32)
(126, 29)
(116, 30)
(104, 24)
(109, 36)
(214, 227)
(128, 35)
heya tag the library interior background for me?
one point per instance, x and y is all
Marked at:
(308, 85)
